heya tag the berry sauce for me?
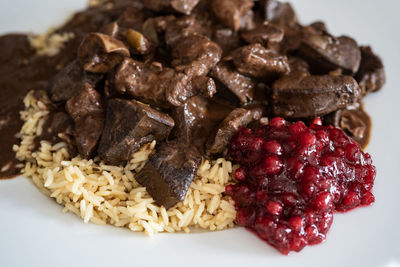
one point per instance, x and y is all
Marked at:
(293, 178)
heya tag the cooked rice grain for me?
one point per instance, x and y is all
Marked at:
(104, 194)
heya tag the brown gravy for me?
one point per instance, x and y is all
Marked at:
(22, 70)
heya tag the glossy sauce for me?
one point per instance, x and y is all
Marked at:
(22, 70)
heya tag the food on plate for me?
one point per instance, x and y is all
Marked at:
(293, 177)
(171, 115)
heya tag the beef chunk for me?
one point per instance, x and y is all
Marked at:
(70, 81)
(228, 127)
(227, 39)
(300, 96)
(256, 61)
(87, 112)
(240, 85)
(177, 87)
(177, 28)
(248, 21)
(169, 172)
(319, 26)
(163, 87)
(139, 80)
(266, 34)
(57, 123)
(230, 12)
(153, 28)
(196, 119)
(298, 65)
(181, 6)
(325, 52)
(129, 125)
(190, 121)
(99, 53)
(180, 87)
(203, 85)
(371, 75)
(196, 55)
(354, 121)
(184, 6)
(156, 5)
(131, 18)
(279, 13)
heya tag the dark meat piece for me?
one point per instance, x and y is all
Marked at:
(177, 28)
(196, 119)
(180, 87)
(298, 65)
(371, 75)
(139, 80)
(240, 85)
(354, 121)
(266, 34)
(131, 18)
(182, 6)
(190, 125)
(279, 13)
(319, 26)
(230, 12)
(228, 127)
(163, 87)
(299, 96)
(87, 112)
(203, 85)
(283, 15)
(99, 52)
(256, 61)
(153, 28)
(325, 53)
(57, 127)
(177, 87)
(129, 125)
(196, 55)
(247, 21)
(70, 80)
(227, 39)
(156, 5)
(169, 172)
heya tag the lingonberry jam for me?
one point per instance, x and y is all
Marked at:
(292, 178)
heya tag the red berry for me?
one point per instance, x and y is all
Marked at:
(256, 143)
(273, 165)
(316, 121)
(296, 223)
(240, 174)
(274, 208)
(277, 122)
(297, 128)
(245, 216)
(273, 147)
(307, 139)
(323, 201)
(352, 152)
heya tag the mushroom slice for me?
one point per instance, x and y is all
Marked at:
(99, 53)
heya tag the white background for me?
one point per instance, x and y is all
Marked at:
(34, 232)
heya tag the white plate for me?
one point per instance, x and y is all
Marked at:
(34, 232)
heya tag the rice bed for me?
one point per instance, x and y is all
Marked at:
(104, 194)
